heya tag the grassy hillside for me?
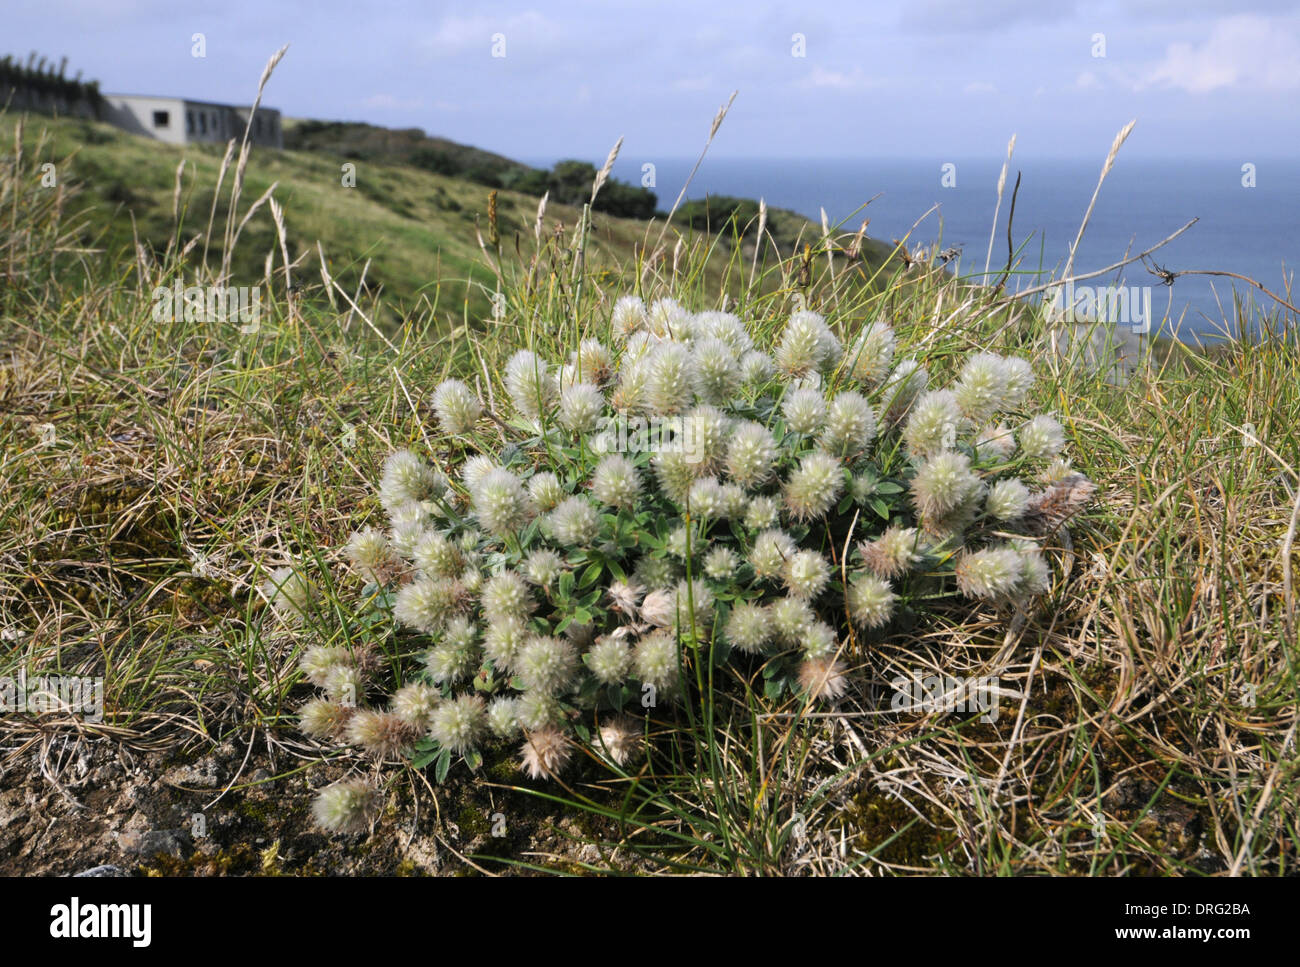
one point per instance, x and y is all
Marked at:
(408, 146)
(416, 228)
(567, 182)
(414, 232)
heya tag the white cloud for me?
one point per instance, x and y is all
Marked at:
(475, 33)
(854, 80)
(388, 102)
(1244, 51)
(980, 87)
(1086, 81)
(702, 83)
(961, 16)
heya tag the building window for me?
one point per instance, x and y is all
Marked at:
(189, 122)
(161, 119)
(203, 122)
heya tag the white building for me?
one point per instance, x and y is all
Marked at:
(178, 120)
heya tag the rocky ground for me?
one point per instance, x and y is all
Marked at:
(91, 807)
(73, 807)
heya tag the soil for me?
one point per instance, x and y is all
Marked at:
(91, 807)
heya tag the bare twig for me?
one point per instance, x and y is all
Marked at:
(1034, 290)
(1168, 277)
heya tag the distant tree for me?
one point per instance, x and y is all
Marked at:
(530, 181)
(570, 182)
(431, 159)
(625, 201)
(483, 175)
(725, 214)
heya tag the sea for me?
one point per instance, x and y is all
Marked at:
(1247, 211)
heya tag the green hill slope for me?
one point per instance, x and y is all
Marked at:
(409, 232)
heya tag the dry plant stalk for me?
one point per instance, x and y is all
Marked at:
(713, 130)
(1002, 184)
(1105, 170)
(603, 175)
(242, 164)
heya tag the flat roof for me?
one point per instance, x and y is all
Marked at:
(188, 100)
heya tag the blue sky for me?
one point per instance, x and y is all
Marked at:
(899, 79)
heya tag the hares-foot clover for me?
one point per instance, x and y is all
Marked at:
(554, 587)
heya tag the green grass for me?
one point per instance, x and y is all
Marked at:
(1152, 723)
(407, 233)
(415, 228)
